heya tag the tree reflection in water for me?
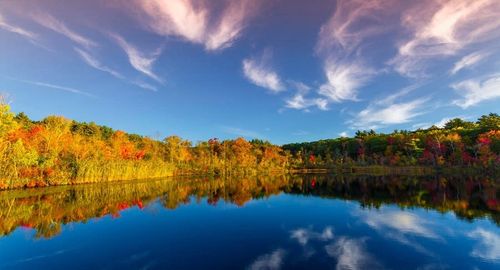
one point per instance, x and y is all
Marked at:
(47, 209)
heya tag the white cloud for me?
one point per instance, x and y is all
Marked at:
(258, 71)
(488, 247)
(474, 91)
(272, 261)
(300, 86)
(468, 61)
(57, 87)
(146, 86)
(140, 61)
(398, 94)
(343, 134)
(351, 254)
(202, 22)
(396, 113)
(299, 102)
(343, 80)
(93, 62)
(231, 24)
(16, 29)
(351, 23)
(304, 235)
(339, 43)
(55, 25)
(443, 28)
(387, 111)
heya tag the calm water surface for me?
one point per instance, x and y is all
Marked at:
(314, 222)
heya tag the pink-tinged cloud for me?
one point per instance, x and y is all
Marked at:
(202, 22)
(95, 63)
(16, 29)
(343, 80)
(56, 25)
(443, 28)
(340, 43)
(352, 22)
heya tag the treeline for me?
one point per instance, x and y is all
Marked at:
(56, 151)
(458, 143)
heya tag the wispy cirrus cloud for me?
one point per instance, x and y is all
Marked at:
(375, 116)
(343, 80)
(146, 86)
(56, 25)
(95, 63)
(142, 62)
(299, 101)
(340, 43)
(443, 28)
(59, 87)
(388, 100)
(215, 25)
(389, 110)
(474, 91)
(231, 24)
(468, 61)
(55, 86)
(258, 71)
(17, 29)
(351, 23)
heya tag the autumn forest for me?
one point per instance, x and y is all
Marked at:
(59, 151)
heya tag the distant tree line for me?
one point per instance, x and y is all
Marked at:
(458, 143)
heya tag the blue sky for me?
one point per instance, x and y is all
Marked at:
(279, 70)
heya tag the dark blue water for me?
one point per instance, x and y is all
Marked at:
(305, 223)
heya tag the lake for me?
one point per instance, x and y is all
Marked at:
(274, 222)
